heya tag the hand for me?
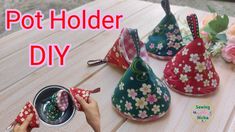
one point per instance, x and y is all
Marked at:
(91, 111)
(24, 127)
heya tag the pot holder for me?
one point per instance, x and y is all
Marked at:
(27, 110)
(52, 112)
(85, 94)
(140, 95)
(60, 99)
(191, 71)
(122, 52)
(165, 40)
(57, 105)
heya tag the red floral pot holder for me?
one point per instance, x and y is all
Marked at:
(123, 51)
(191, 71)
(21, 117)
(85, 94)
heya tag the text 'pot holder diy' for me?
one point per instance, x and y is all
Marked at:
(25, 112)
(165, 40)
(85, 94)
(191, 71)
(140, 95)
(123, 51)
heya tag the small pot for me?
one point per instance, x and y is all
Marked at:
(43, 99)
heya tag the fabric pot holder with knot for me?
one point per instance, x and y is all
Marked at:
(85, 94)
(21, 117)
(122, 52)
(140, 95)
(191, 71)
(58, 104)
(165, 40)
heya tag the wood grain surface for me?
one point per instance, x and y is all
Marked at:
(19, 83)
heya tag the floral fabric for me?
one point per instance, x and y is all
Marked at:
(165, 40)
(27, 110)
(191, 71)
(140, 95)
(60, 100)
(123, 51)
(85, 94)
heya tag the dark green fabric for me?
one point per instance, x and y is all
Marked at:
(166, 39)
(138, 76)
(52, 112)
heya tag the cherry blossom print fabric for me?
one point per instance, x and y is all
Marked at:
(85, 94)
(165, 40)
(122, 52)
(27, 110)
(191, 71)
(140, 95)
(60, 99)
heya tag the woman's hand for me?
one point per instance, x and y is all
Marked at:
(91, 111)
(24, 127)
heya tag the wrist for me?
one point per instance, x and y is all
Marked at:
(96, 127)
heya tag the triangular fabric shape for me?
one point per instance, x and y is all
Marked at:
(27, 110)
(122, 52)
(165, 40)
(140, 95)
(191, 71)
(85, 94)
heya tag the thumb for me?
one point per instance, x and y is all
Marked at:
(81, 101)
(25, 124)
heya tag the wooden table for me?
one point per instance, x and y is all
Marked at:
(19, 83)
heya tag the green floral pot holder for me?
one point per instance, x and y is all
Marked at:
(165, 40)
(140, 95)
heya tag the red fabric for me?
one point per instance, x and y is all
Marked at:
(191, 71)
(180, 60)
(123, 51)
(116, 57)
(27, 110)
(62, 100)
(85, 94)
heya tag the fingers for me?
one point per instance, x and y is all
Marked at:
(81, 101)
(25, 124)
(91, 100)
(16, 127)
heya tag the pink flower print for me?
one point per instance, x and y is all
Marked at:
(128, 105)
(199, 77)
(170, 44)
(151, 46)
(169, 52)
(131, 93)
(151, 98)
(172, 37)
(142, 114)
(179, 37)
(177, 46)
(166, 97)
(208, 64)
